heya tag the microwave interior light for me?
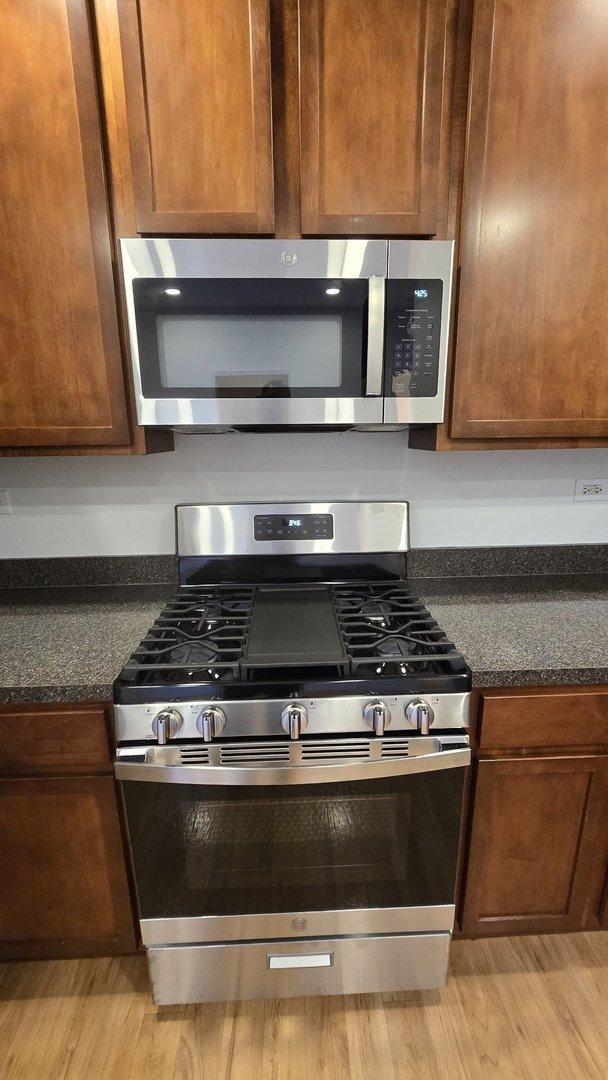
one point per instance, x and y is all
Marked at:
(173, 292)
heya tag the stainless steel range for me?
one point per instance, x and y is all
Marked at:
(292, 748)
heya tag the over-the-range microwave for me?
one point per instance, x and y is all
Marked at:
(298, 333)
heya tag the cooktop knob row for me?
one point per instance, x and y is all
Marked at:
(294, 719)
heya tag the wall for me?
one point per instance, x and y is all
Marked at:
(87, 505)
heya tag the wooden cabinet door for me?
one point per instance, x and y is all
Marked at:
(61, 379)
(536, 827)
(532, 343)
(197, 79)
(64, 883)
(371, 83)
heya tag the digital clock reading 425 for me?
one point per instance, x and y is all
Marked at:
(304, 527)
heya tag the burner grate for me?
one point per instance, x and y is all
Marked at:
(388, 631)
(199, 635)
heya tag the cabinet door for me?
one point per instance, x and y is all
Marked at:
(61, 379)
(64, 886)
(532, 343)
(536, 826)
(371, 79)
(197, 78)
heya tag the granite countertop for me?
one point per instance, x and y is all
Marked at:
(69, 643)
(525, 631)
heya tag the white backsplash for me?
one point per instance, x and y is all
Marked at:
(119, 506)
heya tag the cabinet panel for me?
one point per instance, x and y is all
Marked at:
(66, 893)
(197, 76)
(529, 720)
(61, 382)
(536, 828)
(532, 353)
(371, 78)
(39, 740)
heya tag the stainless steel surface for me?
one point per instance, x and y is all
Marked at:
(294, 720)
(227, 529)
(282, 961)
(377, 716)
(375, 337)
(187, 973)
(409, 259)
(157, 768)
(418, 712)
(298, 924)
(326, 715)
(192, 413)
(211, 722)
(166, 725)
(166, 258)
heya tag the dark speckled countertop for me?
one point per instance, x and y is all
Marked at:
(525, 631)
(68, 644)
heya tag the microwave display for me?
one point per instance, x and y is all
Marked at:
(413, 335)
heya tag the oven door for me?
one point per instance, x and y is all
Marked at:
(242, 852)
(256, 332)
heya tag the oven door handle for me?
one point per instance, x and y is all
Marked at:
(273, 775)
(375, 337)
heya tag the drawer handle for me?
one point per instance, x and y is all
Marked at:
(278, 961)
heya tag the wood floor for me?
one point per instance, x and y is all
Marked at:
(529, 1007)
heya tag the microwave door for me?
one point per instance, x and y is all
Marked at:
(418, 301)
(230, 333)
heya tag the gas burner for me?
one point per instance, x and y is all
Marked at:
(394, 648)
(194, 653)
(376, 609)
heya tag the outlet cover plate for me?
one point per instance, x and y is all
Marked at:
(591, 491)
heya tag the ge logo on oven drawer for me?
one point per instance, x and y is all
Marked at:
(299, 924)
(289, 258)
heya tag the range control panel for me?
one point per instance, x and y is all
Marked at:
(413, 333)
(298, 527)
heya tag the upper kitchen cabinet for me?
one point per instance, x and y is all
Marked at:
(61, 378)
(372, 76)
(198, 111)
(532, 339)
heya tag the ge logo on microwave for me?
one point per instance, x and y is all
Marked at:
(289, 258)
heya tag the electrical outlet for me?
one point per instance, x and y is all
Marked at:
(5, 503)
(591, 491)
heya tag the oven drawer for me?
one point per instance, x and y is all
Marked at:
(187, 973)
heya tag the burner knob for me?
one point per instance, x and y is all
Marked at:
(210, 722)
(420, 714)
(166, 725)
(377, 715)
(294, 719)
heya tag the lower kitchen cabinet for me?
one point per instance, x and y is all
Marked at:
(538, 852)
(64, 889)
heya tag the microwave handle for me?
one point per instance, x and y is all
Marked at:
(375, 337)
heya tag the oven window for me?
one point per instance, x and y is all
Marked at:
(235, 851)
(251, 338)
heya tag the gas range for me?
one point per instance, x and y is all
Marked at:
(291, 745)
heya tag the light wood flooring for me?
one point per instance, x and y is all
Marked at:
(528, 1007)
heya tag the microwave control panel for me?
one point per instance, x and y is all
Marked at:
(298, 527)
(413, 331)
